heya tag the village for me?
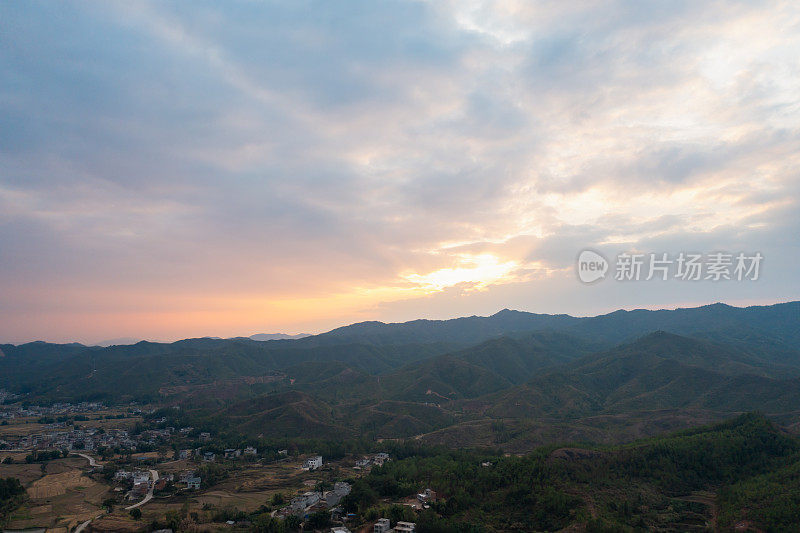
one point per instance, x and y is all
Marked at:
(127, 466)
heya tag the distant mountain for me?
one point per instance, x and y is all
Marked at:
(441, 379)
(140, 371)
(490, 366)
(463, 331)
(658, 371)
(780, 323)
(658, 382)
(277, 336)
(24, 363)
(518, 358)
(118, 342)
(541, 376)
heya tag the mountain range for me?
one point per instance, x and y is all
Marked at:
(515, 379)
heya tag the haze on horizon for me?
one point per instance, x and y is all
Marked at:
(173, 170)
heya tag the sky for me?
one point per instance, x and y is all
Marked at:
(185, 169)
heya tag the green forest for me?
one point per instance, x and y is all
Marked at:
(746, 469)
(11, 494)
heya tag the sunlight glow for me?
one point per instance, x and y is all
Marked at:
(478, 271)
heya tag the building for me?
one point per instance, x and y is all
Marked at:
(340, 490)
(405, 527)
(193, 483)
(140, 489)
(339, 529)
(427, 496)
(299, 504)
(205, 435)
(230, 453)
(312, 463)
(209, 456)
(184, 454)
(382, 526)
(250, 451)
(380, 458)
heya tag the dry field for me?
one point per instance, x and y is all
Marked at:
(60, 497)
(53, 485)
(26, 473)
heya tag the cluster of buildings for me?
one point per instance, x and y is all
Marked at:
(313, 501)
(73, 439)
(6, 396)
(210, 457)
(139, 479)
(57, 409)
(383, 525)
(154, 437)
(191, 479)
(231, 453)
(377, 460)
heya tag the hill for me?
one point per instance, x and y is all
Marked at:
(658, 371)
(660, 484)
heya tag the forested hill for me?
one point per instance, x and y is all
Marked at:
(780, 322)
(738, 473)
(514, 378)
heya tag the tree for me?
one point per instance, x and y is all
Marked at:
(319, 520)
(293, 522)
(136, 513)
(173, 519)
(277, 499)
(109, 503)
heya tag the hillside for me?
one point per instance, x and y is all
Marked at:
(512, 345)
(661, 484)
(511, 386)
(658, 371)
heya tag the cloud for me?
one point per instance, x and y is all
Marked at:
(222, 166)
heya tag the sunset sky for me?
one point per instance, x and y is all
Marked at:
(177, 169)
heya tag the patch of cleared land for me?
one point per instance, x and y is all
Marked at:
(60, 497)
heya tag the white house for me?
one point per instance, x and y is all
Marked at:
(312, 463)
(382, 526)
(427, 496)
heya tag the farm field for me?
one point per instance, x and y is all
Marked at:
(60, 495)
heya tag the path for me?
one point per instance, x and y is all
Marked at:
(83, 526)
(89, 458)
